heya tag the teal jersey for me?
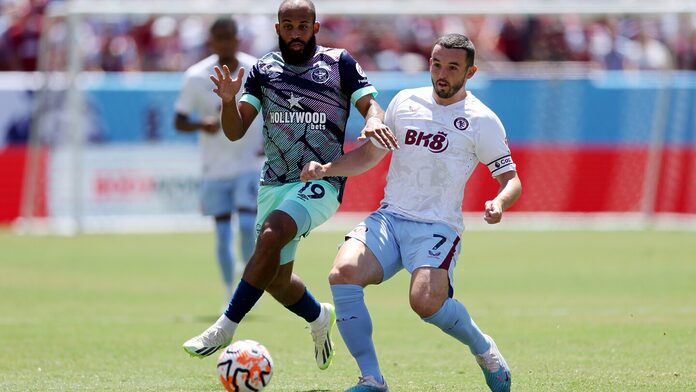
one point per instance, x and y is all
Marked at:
(305, 109)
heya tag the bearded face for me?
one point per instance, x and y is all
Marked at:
(445, 88)
(296, 51)
(449, 72)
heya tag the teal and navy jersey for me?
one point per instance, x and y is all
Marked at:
(305, 110)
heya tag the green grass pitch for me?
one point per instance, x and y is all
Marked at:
(571, 311)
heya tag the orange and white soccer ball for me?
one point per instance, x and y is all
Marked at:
(245, 366)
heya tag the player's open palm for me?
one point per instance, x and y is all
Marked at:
(226, 87)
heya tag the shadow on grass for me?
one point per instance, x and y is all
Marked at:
(313, 390)
(209, 319)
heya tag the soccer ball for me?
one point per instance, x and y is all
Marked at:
(245, 366)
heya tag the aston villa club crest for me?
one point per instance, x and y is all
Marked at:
(461, 123)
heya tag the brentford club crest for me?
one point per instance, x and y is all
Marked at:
(461, 123)
(320, 73)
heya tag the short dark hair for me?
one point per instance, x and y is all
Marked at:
(288, 3)
(224, 23)
(458, 41)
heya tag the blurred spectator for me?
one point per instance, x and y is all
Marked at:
(607, 47)
(400, 43)
(685, 43)
(23, 34)
(514, 38)
(648, 53)
(118, 51)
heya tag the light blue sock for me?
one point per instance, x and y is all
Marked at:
(247, 234)
(355, 325)
(454, 320)
(223, 244)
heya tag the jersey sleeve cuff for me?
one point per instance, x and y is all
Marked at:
(502, 165)
(251, 100)
(362, 92)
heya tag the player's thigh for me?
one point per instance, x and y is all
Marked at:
(268, 199)
(310, 204)
(277, 222)
(429, 289)
(307, 204)
(355, 264)
(216, 196)
(430, 245)
(376, 237)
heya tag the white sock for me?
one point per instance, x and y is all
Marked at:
(227, 325)
(320, 320)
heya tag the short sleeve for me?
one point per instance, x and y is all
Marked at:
(491, 147)
(389, 117)
(390, 114)
(252, 88)
(354, 82)
(186, 102)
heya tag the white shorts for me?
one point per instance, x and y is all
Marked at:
(399, 242)
(228, 195)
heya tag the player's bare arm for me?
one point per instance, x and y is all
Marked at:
(235, 118)
(352, 163)
(184, 123)
(508, 193)
(374, 123)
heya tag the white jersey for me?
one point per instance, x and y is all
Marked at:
(221, 158)
(440, 147)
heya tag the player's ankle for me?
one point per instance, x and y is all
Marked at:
(228, 326)
(320, 320)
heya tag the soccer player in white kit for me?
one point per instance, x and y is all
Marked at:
(230, 171)
(443, 132)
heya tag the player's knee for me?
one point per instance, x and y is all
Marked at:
(344, 274)
(271, 240)
(425, 304)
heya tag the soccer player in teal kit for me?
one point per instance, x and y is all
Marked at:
(304, 93)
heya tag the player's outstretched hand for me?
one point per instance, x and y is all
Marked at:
(493, 212)
(312, 171)
(225, 87)
(376, 130)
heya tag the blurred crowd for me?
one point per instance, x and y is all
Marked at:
(403, 43)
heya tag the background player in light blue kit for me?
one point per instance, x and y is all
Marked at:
(444, 132)
(304, 93)
(230, 171)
